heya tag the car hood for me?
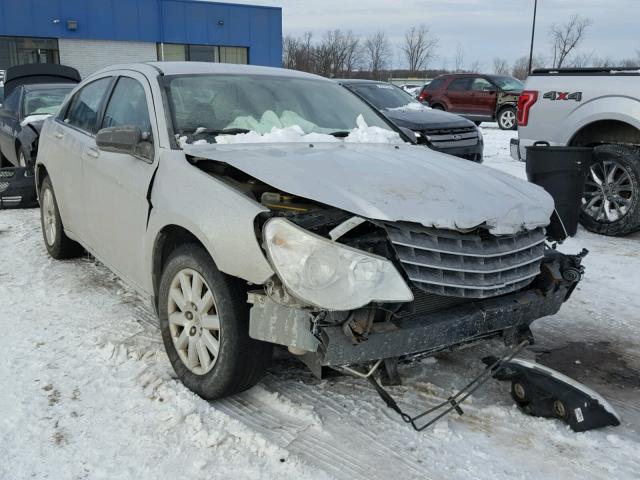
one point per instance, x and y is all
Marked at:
(426, 119)
(392, 183)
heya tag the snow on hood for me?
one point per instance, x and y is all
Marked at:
(393, 183)
(34, 118)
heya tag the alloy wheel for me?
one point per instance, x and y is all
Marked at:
(49, 217)
(193, 321)
(507, 119)
(608, 192)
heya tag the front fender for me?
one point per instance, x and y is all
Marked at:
(220, 217)
(28, 138)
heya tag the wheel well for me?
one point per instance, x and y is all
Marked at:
(606, 131)
(41, 173)
(169, 238)
(438, 104)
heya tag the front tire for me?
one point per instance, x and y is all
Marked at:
(58, 244)
(611, 200)
(507, 119)
(204, 320)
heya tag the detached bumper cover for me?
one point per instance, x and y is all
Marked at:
(439, 330)
(16, 189)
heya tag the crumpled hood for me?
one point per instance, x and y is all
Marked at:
(392, 183)
(427, 119)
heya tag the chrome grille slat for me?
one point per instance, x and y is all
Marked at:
(469, 265)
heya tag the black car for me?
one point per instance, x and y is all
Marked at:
(32, 93)
(441, 131)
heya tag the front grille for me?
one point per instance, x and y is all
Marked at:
(443, 138)
(468, 265)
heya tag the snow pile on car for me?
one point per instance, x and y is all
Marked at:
(295, 133)
(412, 106)
(34, 118)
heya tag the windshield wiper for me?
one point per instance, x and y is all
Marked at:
(341, 133)
(212, 131)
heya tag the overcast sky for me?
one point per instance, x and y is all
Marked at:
(484, 28)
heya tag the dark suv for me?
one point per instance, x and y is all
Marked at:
(478, 97)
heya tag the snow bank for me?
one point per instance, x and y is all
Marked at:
(34, 118)
(295, 134)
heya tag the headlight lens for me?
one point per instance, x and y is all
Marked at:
(330, 275)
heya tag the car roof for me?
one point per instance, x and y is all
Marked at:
(199, 68)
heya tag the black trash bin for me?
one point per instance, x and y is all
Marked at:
(560, 171)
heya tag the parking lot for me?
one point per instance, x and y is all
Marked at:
(88, 391)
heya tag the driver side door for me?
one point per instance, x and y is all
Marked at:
(116, 184)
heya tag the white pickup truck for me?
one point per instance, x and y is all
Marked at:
(590, 107)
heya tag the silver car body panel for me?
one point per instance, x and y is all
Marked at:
(119, 216)
(393, 183)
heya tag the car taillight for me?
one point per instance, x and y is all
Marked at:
(525, 102)
(423, 96)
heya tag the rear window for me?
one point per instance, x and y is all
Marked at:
(435, 84)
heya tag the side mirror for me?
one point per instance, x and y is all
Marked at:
(127, 139)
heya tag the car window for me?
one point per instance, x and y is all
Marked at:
(482, 85)
(12, 101)
(85, 105)
(435, 84)
(459, 84)
(383, 95)
(44, 101)
(127, 106)
(508, 83)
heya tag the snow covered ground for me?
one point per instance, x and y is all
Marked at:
(88, 393)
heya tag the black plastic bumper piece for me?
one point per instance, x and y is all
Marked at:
(17, 190)
(438, 331)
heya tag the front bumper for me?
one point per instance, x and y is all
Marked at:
(438, 330)
(17, 188)
(473, 153)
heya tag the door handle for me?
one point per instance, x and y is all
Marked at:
(92, 152)
(58, 135)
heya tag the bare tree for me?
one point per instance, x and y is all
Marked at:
(500, 66)
(476, 66)
(520, 68)
(378, 52)
(566, 37)
(459, 58)
(419, 47)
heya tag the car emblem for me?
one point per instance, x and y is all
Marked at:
(457, 137)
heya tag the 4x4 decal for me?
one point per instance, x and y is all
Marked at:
(553, 95)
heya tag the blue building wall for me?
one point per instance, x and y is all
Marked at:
(168, 21)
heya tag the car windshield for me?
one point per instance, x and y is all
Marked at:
(237, 104)
(384, 96)
(508, 83)
(44, 101)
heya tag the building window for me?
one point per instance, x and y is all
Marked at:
(20, 50)
(171, 52)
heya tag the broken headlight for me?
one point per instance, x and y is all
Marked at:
(330, 275)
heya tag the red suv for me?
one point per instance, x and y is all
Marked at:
(481, 98)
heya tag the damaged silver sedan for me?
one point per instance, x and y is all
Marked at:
(259, 207)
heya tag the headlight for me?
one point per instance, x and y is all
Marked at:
(330, 275)
(480, 135)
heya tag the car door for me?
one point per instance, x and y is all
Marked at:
(458, 95)
(483, 97)
(66, 143)
(116, 184)
(10, 125)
